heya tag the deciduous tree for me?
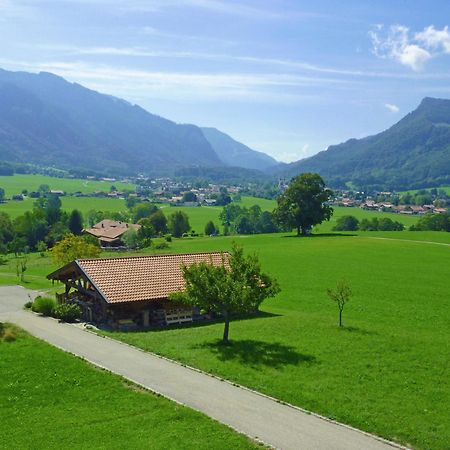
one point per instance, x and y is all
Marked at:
(341, 295)
(237, 286)
(74, 247)
(303, 204)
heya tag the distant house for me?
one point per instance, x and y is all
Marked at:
(133, 291)
(57, 192)
(110, 232)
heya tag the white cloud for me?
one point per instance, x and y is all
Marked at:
(411, 50)
(391, 107)
(397, 46)
(435, 39)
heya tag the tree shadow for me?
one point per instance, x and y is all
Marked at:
(195, 324)
(321, 235)
(358, 330)
(257, 353)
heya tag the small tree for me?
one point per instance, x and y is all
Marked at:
(131, 239)
(341, 295)
(21, 267)
(210, 228)
(74, 247)
(75, 222)
(179, 223)
(237, 286)
(346, 223)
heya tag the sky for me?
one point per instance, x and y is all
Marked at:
(285, 77)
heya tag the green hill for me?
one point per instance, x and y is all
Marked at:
(414, 153)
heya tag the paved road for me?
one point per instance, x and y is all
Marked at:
(257, 416)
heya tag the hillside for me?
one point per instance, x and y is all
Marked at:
(233, 153)
(48, 121)
(413, 153)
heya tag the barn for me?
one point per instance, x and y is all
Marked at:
(131, 292)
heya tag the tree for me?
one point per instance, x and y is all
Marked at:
(142, 210)
(341, 295)
(2, 195)
(237, 286)
(346, 223)
(159, 222)
(189, 197)
(210, 229)
(131, 239)
(76, 222)
(179, 223)
(303, 204)
(74, 247)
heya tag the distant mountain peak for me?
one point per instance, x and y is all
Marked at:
(234, 153)
(413, 153)
(46, 120)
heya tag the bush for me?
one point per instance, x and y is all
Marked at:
(28, 305)
(2, 329)
(67, 312)
(161, 246)
(44, 306)
(346, 223)
(168, 238)
(9, 335)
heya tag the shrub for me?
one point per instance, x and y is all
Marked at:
(2, 329)
(168, 238)
(28, 305)
(346, 223)
(67, 312)
(9, 335)
(161, 246)
(44, 306)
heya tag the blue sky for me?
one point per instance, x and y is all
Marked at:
(286, 77)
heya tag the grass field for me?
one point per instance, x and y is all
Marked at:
(83, 204)
(386, 372)
(16, 183)
(50, 399)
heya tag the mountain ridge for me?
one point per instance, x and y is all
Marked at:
(46, 120)
(412, 153)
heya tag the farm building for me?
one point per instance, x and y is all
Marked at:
(110, 232)
(131, 292)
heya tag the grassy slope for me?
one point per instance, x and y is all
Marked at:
(15, 184)
(387, 372)
(83, 204)
(49, 399)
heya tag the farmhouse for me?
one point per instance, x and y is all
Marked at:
(131, 292)
(110, 232)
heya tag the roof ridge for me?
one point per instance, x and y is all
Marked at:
(153, 256)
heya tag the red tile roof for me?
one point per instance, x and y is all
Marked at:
(143, 277)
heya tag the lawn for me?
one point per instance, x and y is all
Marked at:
(83, 204)
(16, 183)
(50, 399)
(387, 371)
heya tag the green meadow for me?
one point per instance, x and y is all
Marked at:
(16, 183)
(387, 371)
(51, 400)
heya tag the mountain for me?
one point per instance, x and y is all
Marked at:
(47, 121)
(413, 153)
(233, 153)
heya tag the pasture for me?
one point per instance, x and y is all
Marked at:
(16, 183)
(385, 372)
(50, 399)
